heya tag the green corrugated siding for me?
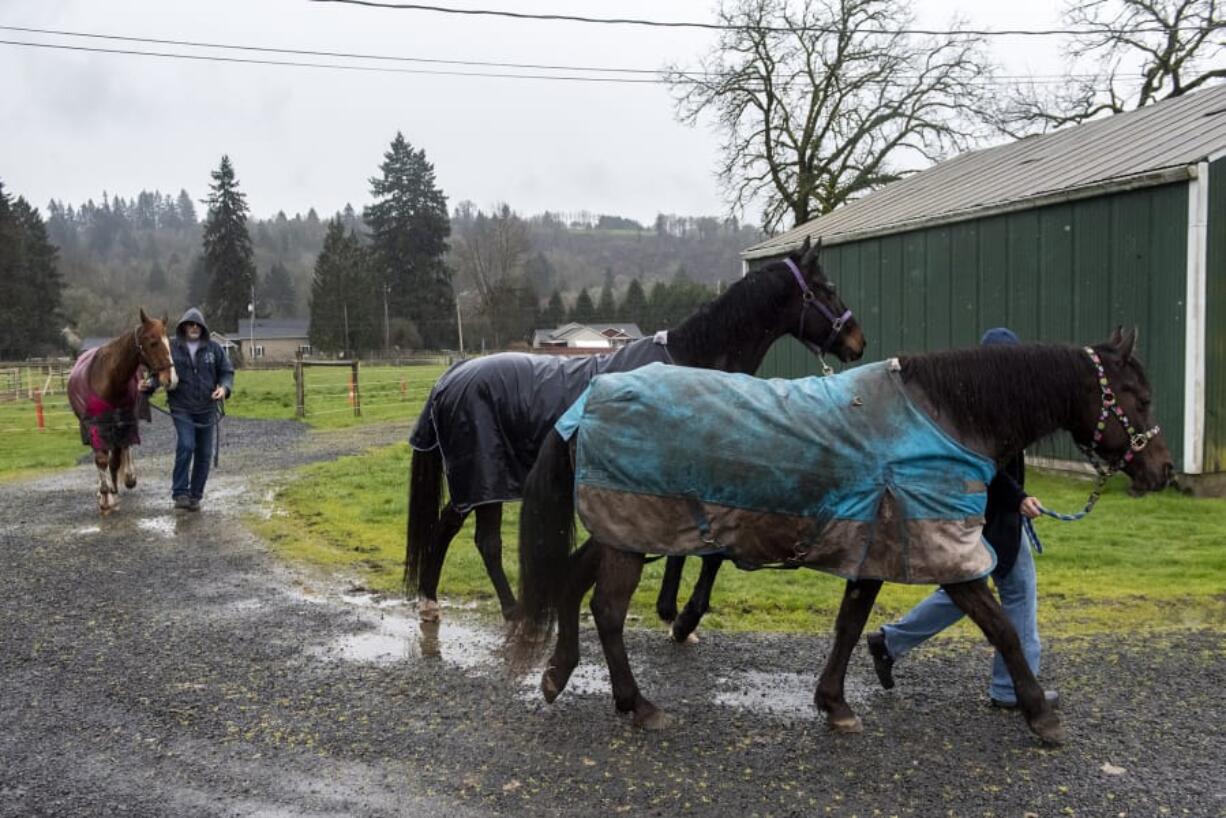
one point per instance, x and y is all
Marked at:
(1065, 273)
(1215, 323)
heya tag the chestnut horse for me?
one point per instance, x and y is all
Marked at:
(102, 389)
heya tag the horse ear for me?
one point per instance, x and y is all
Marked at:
(1127, 343)
(810, 254)
(1117, 335)
(804, 248)
(144, 319)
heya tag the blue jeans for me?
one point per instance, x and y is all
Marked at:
(1018, 592)
(194, 452)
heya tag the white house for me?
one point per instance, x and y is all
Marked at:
(596, 337)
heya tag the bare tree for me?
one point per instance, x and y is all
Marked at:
(823, 100)
(490, 250)
(1130, 53)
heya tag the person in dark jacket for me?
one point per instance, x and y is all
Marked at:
(205, 377)
(1014, 577)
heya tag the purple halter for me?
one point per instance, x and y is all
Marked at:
(810, 301)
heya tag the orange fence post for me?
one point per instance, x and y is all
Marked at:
(38, 409)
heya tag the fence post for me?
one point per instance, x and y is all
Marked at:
(404, 389)
(357, 391)
(38, 409)
(299, 388)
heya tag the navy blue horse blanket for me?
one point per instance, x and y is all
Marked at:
(843, 474)
(489, 416)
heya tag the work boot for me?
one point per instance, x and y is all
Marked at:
(183, 501)
(883, 663)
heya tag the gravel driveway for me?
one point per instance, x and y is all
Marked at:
(163, 663)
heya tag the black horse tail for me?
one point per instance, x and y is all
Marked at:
(546, 538)
(425, 496)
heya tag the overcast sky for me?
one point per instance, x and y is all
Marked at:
(75, 124)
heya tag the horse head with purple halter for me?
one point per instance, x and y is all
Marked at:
(817, 293)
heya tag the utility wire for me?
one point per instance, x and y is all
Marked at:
(335, 66)
(658, 80)
(634, 21)
(655, 72)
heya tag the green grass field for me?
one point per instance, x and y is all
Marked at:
(387, 393)
(1155, 563)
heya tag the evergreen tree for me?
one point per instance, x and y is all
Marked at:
(343, 304)
(606, 307)
(30, 314)
(157, 277)
(584, 311)
(540, 272)
(279, 291)
(197, 282)
(554, 314)
(228, 256)
(634, 307)
(659, 306)
(408, 229)
(187, 209)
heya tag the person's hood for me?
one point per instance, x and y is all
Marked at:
(999, 335)
(193, 316)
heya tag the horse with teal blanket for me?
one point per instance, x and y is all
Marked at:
(878, 474)
(486, 418)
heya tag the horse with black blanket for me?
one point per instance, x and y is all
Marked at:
(877, 474)
(485, 419)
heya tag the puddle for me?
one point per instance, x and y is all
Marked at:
(397, 638)
(165, 525)
(781, 694)
(587, 680)
(89, 529)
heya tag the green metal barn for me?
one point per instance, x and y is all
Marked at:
(1060, 237)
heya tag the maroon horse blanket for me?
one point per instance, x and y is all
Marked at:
(104, 425)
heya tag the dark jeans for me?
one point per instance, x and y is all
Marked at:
(194, 454)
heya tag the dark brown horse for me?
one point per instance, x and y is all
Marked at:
(993, 402)
(103, 392)
(486, 419)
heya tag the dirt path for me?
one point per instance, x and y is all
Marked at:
(163, 664)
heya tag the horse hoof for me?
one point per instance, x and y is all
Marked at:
(550, 689)
(1049, 729)
(847, 724)
(690, 638)
(654, 719)
(428, 610)
(130, 482)
(512, 614)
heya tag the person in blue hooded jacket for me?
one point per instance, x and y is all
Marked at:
(1014, 577)
(205, 377)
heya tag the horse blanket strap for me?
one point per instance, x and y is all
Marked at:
(489, 416)
(843, 473)
(104, 425)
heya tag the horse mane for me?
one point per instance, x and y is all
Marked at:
(978, 388)
(738, 308)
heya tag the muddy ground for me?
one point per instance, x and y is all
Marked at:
(164, 663)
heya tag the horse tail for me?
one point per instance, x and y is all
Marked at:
(546, 538)
(425, 497)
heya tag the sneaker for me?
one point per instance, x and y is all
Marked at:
(183, 501)
(193, 504)
(883, 663)
(1053, 699)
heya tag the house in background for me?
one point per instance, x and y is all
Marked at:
(586, 337)
(271, 339)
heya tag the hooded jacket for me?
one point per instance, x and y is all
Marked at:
(201, 374)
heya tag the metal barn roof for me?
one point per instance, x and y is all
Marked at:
(1149, 146)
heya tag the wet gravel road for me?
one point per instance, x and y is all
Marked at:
(156, 663)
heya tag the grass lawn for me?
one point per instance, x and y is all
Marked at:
(387, 393)
(1155, 563)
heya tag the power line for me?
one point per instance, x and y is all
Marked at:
(634, 21)
(334, 66)
(657, 80)
(342, 54)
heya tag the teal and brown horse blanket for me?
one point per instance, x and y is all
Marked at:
(844, 474)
